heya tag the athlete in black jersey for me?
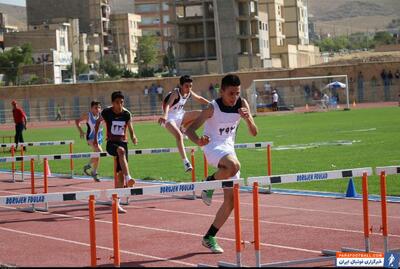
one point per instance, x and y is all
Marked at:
(118, 120)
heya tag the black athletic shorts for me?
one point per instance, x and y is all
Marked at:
(112, 147)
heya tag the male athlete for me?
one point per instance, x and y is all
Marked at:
(175, 119)
(221, 120)
(91, 117)
(118, 119)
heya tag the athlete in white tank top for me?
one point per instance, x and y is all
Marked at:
(221, 120)
(175, 119)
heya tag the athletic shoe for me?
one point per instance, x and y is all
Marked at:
(131, 182)
(211, 243)
(187, 166)
(95, 177)
(120, 209)
(85, 170)
(206, 196)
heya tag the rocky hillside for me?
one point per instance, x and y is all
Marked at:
(16, 15)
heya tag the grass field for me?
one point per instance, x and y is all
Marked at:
(312, 141)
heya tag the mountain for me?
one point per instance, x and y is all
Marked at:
(16, 15)
(350, 16)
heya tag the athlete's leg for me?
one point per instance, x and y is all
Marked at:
(189, 118)
(174, 130)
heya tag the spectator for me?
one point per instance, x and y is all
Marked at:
(211, 91)
(216, 88)
(267, 88)
(160, 91)
(20, 123)
(325, 101)
(390, 77)
(146, 91)
(360, 86)
(307, 93)
(275, 100)
(153, 94)
(59, 115)
(386, 83)
(397, 74)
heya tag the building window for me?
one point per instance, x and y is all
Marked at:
(147, 8)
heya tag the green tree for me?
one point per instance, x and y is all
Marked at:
(147, 53)
(110, 68)
(384, 38)
(80, 68)
(12, 61)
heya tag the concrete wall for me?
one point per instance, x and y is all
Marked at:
(75, 99)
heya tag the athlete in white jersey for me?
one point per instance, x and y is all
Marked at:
(91, 118)
(175, 119)
(221, 120)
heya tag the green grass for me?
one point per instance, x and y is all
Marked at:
(380, 146)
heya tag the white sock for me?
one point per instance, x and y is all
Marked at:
(185, 161)
(127, 177)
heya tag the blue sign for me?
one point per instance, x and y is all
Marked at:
(391, 260)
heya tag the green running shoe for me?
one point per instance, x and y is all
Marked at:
(211, 243)
(206, 196)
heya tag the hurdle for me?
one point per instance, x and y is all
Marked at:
(38, 144)
(4, 138)
(383, 171)
(255, 181)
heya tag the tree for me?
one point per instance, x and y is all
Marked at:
(110, 68)
(384, 38)
(169, 60)
(147, 52)
(11, 62)
(80, 68)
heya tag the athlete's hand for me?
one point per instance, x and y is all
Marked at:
(244, 113)
(202, 141)
(162, 121)
(134, 140)
(95, 142)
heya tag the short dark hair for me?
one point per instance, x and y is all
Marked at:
(184, 79)
(117, 94)
(230, 80)
(94, 103)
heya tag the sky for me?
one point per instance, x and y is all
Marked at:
(13, 2)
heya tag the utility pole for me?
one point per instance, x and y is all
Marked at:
(218, 37)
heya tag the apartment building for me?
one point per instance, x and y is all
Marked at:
(155, 15)
(205, 40)
(93, 15)
(296, 22)
(126, 33)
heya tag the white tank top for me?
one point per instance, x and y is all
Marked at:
(177, 106)
(222, 126)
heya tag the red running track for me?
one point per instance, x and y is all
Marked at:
(164, 231)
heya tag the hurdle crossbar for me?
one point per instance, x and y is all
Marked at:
(309, 176)
(38, 144)
(389, 170)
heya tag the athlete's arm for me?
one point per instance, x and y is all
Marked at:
(83, 117)
(171, 100)
(96, 129)
(191, 131)
(244, 112)
(199, 98)
(132, 132)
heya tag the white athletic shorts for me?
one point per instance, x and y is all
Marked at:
(214, 153)
(176, 118)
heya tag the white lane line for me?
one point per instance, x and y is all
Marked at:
(99, 247)
(261, 221)
(174, 231)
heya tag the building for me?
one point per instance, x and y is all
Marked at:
(155, 15)
(289, 38)
(93, 15)
(126, 33)
(51, 51)
(207, 41)
(5, 28)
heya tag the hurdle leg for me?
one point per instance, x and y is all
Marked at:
(71, 162)
(22, 164)
(31, 209)
(92, 231)
(13, 163)
(45, 183)
(238, 231)
(256, 223)
(366, 218)
(116, 257)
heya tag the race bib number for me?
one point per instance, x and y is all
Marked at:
(118, 128)
(226, 130)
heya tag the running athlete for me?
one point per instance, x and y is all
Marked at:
(91, 117)
(118, 119)
(175, 119)
(221, 120)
